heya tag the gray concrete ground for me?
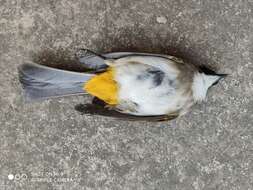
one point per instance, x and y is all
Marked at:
(49, 145)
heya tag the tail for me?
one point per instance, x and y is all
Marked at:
(42, 82)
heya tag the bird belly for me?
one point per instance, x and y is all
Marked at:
(138, 89)
(145, 90)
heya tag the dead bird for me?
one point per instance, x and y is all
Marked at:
(126, 85)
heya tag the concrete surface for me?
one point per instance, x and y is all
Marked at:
(51, 146)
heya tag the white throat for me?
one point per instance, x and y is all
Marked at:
(201, 83)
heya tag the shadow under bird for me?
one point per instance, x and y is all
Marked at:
(126, 85)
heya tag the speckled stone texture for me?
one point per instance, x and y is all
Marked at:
(49, 145)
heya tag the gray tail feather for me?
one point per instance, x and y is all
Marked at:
(42, 82)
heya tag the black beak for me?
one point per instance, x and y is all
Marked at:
(221, 76)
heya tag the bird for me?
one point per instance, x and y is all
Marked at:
(124, 85)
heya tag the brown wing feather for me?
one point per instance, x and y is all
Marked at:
(98, 108)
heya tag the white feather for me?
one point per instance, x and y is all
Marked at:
(200, 85)
(158, 100)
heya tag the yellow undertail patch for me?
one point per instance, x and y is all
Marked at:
(104, 87)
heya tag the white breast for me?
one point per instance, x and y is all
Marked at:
(137, 85)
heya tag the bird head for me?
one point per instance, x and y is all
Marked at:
(203, 80)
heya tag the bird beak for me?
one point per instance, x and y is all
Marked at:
(221, 76)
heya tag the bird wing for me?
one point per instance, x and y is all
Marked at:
(161, 63)
(98, 107)
(98, 62)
